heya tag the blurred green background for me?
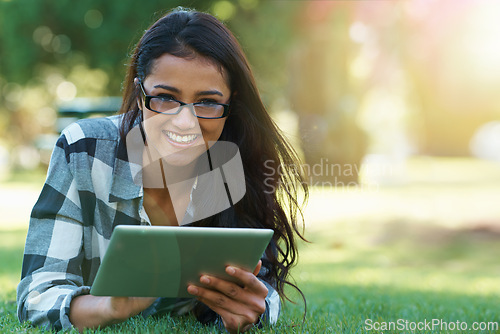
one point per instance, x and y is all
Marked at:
(393, 106)
(352, 83)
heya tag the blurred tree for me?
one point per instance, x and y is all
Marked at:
(453, 62)
(324, 94)
(63, 34)
(101, 33)
(63, 49)
(265, 31)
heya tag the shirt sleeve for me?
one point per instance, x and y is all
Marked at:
(51, 273)
(273, 307)
(273, 301)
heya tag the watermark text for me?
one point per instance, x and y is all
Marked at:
(429, 325)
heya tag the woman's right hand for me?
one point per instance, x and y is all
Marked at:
(87, 311)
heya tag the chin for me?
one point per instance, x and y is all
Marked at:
(182, 157)
(179, 161)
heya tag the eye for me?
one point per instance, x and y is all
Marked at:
(165, 97)
(208, 101)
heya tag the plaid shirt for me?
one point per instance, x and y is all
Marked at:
(88, 191)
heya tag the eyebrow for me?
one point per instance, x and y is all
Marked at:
(204, 92)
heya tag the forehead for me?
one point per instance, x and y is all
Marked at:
(194, 71)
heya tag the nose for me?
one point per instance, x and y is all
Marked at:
(185, 119)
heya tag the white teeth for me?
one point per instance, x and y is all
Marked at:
(180, 139)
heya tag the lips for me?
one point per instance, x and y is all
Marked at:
(180, 139)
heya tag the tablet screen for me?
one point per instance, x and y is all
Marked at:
(160, 261)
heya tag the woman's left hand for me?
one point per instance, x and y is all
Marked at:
(239, 306)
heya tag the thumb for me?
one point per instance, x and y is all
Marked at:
(257, 269)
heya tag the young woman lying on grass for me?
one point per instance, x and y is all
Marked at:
(188, 86)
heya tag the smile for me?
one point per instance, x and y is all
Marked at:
(187, 139)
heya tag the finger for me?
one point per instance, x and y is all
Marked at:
(249, 280)
(227, 307)
(216, 300)
(230, 289)
(244, 296)
(257, 269)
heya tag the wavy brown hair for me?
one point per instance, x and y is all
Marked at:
(273, 181)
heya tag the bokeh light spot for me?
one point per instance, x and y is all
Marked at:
(93, 18)
(358, 32)
(12, 92)
(61, 44)
(224, 10)
(42, 33)
(66, 91)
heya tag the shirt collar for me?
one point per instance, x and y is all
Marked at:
(127, 170)
(127, 181)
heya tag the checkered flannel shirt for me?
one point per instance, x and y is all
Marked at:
(88, 191)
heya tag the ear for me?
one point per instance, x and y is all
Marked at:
(137, 81)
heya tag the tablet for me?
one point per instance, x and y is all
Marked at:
(160, 261)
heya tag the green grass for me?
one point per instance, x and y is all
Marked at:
(25, 178)
(428, 250)
(345, 284)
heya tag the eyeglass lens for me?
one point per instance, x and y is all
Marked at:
(172, 107)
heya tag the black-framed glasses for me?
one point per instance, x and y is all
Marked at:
(169, 106)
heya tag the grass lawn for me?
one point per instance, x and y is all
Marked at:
(421, 252)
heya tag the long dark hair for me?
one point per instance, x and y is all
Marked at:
(273, 180)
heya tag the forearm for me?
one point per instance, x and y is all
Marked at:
(87, 311)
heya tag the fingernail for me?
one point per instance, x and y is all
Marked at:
(230, 270)
(192, 290)
(205, 280)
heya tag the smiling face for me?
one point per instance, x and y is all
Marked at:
(180, 139)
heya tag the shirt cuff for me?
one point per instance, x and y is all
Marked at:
(273, 307)
(64, 310)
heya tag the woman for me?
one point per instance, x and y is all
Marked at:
(188, 88)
